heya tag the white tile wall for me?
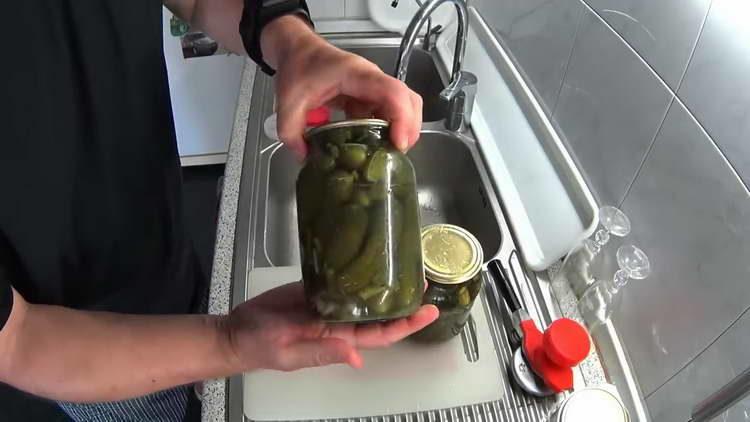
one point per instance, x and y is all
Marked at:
(338, 9)
(717, 84)
(357, 9)
(717, 366)
(540, 33)
(326, 9)
(691, 215)
(689, 207)
(663, 32)
(609, 109)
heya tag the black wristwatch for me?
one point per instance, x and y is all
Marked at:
(258, 13)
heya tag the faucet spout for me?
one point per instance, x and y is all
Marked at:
(461, 90)
(416, 24)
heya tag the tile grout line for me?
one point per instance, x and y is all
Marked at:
(676, 98)
(567, 62)
(715, 144)
(694, 117)
(697, 355)
(695, 47)
(705, 133)
(627, 44)
(669, 107)
(648, 152)
(654, 73)
(673, 92)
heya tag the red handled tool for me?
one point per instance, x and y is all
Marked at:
(551, 354)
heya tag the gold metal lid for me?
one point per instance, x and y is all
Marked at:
(346, 123)
(451, 254)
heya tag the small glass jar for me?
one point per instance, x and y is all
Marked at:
(453, 261)
(359, 224)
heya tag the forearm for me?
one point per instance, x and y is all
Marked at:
(80, 356)
(284, 35)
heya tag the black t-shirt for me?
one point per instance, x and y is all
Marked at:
(90, 182)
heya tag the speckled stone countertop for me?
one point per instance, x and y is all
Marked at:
(591, 368)
(214, 391)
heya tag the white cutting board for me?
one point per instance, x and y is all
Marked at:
(406, 377)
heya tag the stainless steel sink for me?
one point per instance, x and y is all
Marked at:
(454, 187)
(423, 77)
(450, 191)
(281, 242)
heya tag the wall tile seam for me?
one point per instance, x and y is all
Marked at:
(650, 148)
(579, 22)
(676, 101)
(671, 103)
(640, 57)
(697, 355)
(695, 46)
(723, 155)
(674, 95)
(627, 44)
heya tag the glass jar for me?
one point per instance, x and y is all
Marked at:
(453, 262)
(359, 224)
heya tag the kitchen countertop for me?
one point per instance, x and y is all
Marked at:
(214, 397)
(214, 391)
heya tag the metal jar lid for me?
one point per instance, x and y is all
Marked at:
(592, 404)
(345, 124)
(451, 254)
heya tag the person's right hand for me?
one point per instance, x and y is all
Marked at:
(311, 72)
(275, 330)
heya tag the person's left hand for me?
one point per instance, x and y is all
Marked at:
(311, 73)
(276, 330)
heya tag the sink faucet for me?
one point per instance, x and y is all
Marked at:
(462, 89)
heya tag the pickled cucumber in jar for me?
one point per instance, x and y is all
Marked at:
(453, 261)
(359, 224)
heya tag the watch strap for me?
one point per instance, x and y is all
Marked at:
(257, 14)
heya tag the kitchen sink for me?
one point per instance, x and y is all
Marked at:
(453, 187)
(423, 76)
(450, 190)
(281, 242)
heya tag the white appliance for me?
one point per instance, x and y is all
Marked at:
(204, 93)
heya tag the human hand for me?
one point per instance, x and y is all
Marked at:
(275, 330)
(311, 73)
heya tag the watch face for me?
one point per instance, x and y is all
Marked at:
(197, 44)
